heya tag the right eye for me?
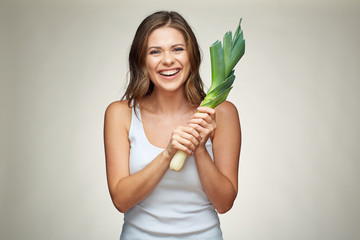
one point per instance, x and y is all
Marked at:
(152, 52)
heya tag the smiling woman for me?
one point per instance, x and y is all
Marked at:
(167, 60)
(139, 85)
(158, 116)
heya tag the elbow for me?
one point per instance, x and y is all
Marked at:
(226, 204)
(122, 202)
(224, 209)
(121, 207)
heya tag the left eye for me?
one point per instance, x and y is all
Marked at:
(178, 49)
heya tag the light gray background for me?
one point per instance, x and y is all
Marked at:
(297, 92)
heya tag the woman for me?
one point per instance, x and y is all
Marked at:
(157, 116)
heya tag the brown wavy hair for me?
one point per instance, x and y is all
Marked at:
(139, 84)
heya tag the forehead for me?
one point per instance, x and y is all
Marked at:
(165, 36)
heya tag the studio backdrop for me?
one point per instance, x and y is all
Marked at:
(297, 90)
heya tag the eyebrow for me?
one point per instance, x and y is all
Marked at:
(175, 45)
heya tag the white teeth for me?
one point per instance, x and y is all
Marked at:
(169, 72)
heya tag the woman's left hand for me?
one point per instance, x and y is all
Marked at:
(204, 123)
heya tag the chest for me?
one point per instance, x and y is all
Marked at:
(158, 129)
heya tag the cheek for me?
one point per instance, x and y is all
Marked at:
(187, 64)
(150, 66)
(151, 60)
(147, 63)
(184, 59)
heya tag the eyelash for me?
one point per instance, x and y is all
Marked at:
(154, 52)
(179, 49)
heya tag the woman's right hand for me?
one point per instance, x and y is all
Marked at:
(184, 138)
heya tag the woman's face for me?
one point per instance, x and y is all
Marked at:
(167, 60)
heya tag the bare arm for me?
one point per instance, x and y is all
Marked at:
(219, 178)
(127, 190)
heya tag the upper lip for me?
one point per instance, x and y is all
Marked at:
(169, 69)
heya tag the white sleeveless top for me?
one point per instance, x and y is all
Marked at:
(178, 207)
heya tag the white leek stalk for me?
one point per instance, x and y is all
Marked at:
(177, 162)
(223, 60)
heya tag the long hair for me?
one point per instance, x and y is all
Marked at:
(140, 84)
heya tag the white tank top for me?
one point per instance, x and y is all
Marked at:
(178, 206)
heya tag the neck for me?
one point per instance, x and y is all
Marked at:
(169, 103)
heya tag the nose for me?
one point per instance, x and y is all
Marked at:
(168, 58)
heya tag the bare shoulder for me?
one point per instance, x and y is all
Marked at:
(118, 112)
(227, 120)
(227, 110)
(118, 107)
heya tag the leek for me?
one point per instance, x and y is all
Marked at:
(223, 60)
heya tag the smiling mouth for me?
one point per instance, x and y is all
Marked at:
(169, 73)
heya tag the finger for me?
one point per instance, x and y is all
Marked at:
(199, 121)
(187, 136)
(178, 146)
(198, 128)
(202, 126)
(191, 131)
(189, 140)
(207, 110)
(204, 132)
(185, 145)
(207, 117)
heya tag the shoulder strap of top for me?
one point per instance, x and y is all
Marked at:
(136, 124)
